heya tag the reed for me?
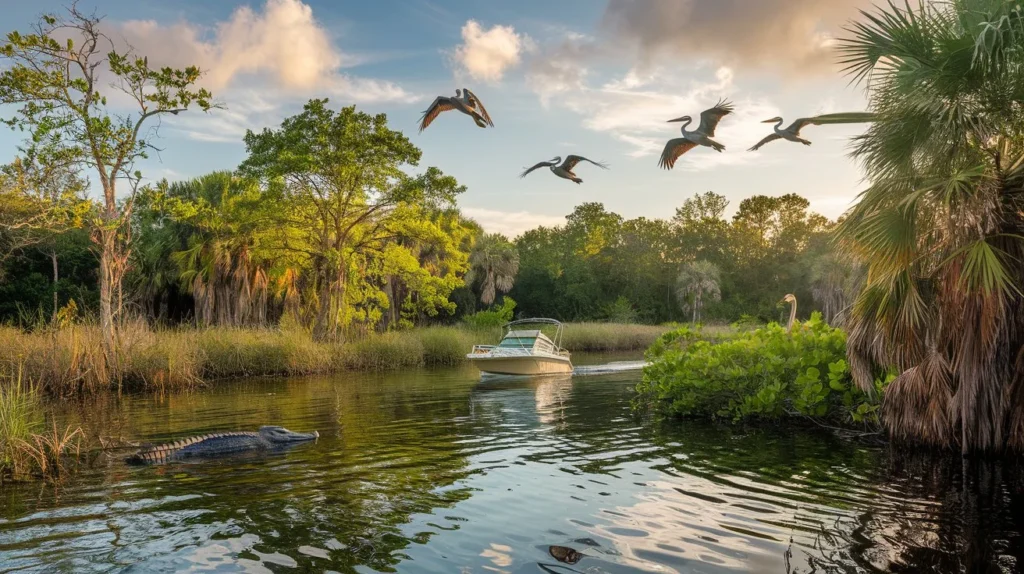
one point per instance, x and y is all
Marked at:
(24, 453)
(69, 360)
(582, 337)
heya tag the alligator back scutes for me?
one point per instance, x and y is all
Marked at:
(163, 452)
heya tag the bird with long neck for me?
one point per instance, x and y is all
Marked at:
(790, 298)
(564, 170)
(709, 119)
(792, 133)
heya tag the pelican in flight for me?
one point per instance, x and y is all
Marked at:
(792, 133)
(709, 119)
(564, 170)
(464, 101)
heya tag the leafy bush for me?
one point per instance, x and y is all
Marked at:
(621, 311)
(494, 317)
(766, 373)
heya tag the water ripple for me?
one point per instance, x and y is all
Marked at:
(434, 471)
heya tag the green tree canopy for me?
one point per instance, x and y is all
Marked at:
(342, 176)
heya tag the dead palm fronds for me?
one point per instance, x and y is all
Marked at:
(941, 227)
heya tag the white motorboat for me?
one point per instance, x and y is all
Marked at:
(524, 351)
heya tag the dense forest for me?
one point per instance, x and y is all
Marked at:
(253, 246)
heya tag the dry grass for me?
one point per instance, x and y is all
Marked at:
(579, 337)
(70, 360)
(25, 453)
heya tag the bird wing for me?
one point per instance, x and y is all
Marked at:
(476, 103)
(709, 118)
(673, 149)
(539, 165)
(441, 104)
(571, 161)
(840, 118)
(767, 138)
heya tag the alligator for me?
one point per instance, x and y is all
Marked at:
(212, 445)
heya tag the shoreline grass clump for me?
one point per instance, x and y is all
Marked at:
(24, 451)
(763, 374)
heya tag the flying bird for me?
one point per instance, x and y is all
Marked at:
(464, 101)
(709, 119)
(792, 133)
(565, 169)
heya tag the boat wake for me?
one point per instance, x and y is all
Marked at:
(613, 367)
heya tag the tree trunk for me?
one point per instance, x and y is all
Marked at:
(56, 277)
(107, 276)
(332, 298)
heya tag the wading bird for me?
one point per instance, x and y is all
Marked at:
(791, 299)
(792, 133)
(564, 170)
(464, 101)
(709, 119)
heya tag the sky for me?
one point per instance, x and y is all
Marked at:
(597, 78)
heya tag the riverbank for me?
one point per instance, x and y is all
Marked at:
(69, 360)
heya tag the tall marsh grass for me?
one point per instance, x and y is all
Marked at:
(25, 452)
(69, 360)
(581, 337)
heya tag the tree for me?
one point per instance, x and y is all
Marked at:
(38, 204)
(341, 175)
(835, 279)
(53, 76)
(223, 263)
(941, 226)
(494, 263)
(698, 281)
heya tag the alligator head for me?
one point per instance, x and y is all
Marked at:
(281, 435)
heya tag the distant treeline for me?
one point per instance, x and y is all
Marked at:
(221, 250)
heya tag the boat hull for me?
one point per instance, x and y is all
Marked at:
(521, 365)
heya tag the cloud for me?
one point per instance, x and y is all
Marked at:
(281, 47)
(259, 63)
(510, 223)
(635, 108)
(486, 55)
(562, 68)
(793, 36)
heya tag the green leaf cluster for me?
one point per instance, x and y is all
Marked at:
(766, 373)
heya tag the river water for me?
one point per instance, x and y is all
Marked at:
(436, 471)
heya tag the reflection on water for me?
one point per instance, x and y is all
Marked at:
(436, 471)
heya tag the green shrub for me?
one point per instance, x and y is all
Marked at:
(621, 311)
(494, 317)
(766, 373)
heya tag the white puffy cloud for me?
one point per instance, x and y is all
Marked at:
(281, 47)
(486, 55)
(259, 63)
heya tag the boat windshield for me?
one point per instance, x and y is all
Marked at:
(518, 342)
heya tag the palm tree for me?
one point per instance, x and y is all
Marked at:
(941, 226)
(835, 279)
(697, 281)
(219, 267)
(494, 262)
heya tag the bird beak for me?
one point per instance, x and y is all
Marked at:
(677, 119)
(771, 121)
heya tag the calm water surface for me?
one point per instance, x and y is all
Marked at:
(435, 471)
